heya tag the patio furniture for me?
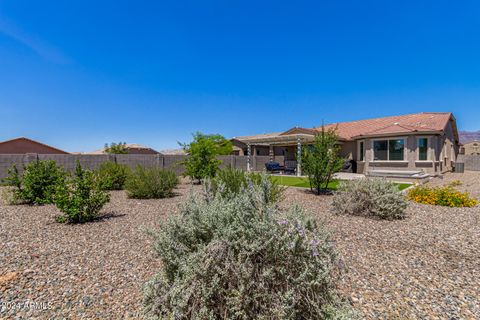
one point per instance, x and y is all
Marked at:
(290, 166)
(274, 167)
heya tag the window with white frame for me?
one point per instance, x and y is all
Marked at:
(361, 150)
(422, 149)
(389, 150)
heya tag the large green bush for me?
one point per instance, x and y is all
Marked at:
(370, 197)
(202, 154)
(151, 183)
(243, 258)
(229, 182)
(112, 176)
(37, 183)
(80, 198)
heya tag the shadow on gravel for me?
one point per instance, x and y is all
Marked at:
(108, 216)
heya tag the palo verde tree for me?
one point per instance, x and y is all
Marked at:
(321, 159)
(116, 148)
(202, 154)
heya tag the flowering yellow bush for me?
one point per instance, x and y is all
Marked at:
(442, 196)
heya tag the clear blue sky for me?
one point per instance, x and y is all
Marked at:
(77, 74)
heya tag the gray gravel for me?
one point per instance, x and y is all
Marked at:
(424, 267)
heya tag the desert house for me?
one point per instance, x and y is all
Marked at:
(24, 145)
(413, 145)
(471, 148)
(132, 148)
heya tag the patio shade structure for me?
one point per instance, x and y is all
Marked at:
(279, 140)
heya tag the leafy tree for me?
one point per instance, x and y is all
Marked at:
(321, 159)
(80, 198)
(116, 148)
(202, 154)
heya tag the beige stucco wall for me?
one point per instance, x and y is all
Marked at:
(411, 156)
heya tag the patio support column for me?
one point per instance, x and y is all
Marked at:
(249, 157)
(271, 152)
(299, 157)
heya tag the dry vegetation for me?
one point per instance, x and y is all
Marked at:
(425, 266)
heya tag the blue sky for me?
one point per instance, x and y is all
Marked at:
(77, 74)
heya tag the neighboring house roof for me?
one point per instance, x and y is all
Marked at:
(31, 147)
(403, 124)
(128, 146)
(175, 152)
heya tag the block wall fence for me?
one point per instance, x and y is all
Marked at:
(171, 162)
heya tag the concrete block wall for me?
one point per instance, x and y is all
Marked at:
(472, 162)
(92, 162)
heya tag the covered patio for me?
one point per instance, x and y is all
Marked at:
(286, 150)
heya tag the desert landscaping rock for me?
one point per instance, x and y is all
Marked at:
(423, 267)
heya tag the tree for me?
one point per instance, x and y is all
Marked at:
(321, 159)
(116, 148)
(202, 154)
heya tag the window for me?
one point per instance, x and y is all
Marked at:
(361, 150)
(423, 149)
(389, 150)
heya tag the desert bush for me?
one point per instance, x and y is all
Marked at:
(321, 159)
(112, 176)
(202, 152)
(441, 196)
(229, 182)
(370, 197)
(243, 258)
(150, 183)
(80, 198)
(37, 183)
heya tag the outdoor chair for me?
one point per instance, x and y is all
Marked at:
(290, 166)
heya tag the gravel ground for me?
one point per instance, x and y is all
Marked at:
(89, 271)
(424, 267)
(470, 181)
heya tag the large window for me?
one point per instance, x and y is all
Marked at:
(389, 150)
(422, 149)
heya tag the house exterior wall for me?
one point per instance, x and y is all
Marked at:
(411, 162)
(23, 146)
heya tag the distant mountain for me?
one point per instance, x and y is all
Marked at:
(467, 136)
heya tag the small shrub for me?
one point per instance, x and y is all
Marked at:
(229, 182)
(374, 197)
(151, 183)
(80, 198)
(441, 196)
(112, 176)
(38, 182)
(243, 258)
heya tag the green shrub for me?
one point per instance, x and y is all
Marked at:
(229, 182)
(374, 197)
(202, 152)
(80, 198)
(243, 258)
(442, 196)
(112, 176)
(151, 183)
(38, 182)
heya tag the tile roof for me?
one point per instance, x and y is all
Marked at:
(418, 122)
